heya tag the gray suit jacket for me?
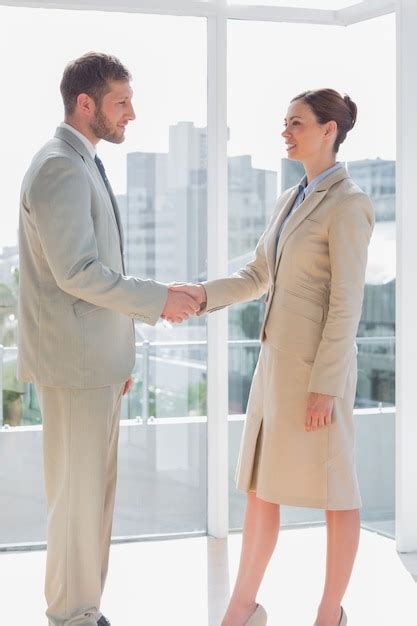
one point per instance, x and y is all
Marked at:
(76, 306)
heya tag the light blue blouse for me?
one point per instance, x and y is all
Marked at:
(305, 190)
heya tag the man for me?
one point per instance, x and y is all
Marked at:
(76, 332)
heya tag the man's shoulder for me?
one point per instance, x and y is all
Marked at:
(56, 148)
(54, 154)
(54, 160)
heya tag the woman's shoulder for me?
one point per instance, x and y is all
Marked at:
(348, 188)
(350, 197)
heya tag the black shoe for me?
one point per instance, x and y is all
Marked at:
(103, 621)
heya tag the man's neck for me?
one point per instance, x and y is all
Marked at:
(83, 130)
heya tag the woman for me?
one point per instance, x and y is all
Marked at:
(298, 442)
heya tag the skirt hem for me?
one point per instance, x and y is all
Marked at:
(307, 503)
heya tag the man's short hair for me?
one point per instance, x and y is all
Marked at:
(90, 74)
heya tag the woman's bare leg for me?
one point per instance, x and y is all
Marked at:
(343, 530)
(260, 534)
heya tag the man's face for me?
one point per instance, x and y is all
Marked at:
(113, 113)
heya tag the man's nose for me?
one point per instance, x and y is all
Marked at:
(132, 114)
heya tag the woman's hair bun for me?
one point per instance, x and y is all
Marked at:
(352, 108)
(330, 105)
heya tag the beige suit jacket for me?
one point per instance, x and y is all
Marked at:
(76, 306)
(314, 278)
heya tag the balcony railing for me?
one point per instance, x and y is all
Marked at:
(163, 442)
(158, 364)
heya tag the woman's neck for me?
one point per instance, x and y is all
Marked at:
(314, 169)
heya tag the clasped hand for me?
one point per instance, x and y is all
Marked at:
(184, 300)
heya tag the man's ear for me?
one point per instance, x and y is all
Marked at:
(85, 104)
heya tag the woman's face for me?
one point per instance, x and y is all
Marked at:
(305, 138)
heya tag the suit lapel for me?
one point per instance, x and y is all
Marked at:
(117, 216)
(271, 245)
(104, 194)
(111, 205)
(306, 207)
(109, 199)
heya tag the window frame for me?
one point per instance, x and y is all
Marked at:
(217, 13)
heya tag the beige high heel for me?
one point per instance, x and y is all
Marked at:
(258, 618)
(343, 619)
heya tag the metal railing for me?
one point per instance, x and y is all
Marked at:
(144, 351)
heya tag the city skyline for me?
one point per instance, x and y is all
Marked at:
(164, 213)
(170, 84)
(172, 170)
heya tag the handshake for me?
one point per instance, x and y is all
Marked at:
(184, 300)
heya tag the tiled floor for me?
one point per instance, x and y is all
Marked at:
(186, 582)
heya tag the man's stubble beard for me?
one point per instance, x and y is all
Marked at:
(101, 128)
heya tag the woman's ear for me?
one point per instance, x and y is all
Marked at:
(331, 128)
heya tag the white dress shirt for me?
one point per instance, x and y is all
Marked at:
(90, 147)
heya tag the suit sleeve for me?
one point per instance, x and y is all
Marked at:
(349, 234)
(60, 199)
(248, 283)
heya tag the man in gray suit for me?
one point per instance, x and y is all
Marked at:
(76, 329)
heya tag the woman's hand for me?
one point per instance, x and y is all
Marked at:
(194, 290)
(319, 411)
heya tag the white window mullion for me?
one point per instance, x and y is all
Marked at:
(366, 10)
(1, 385)
(406, 293)
(217, 366)
(272, 13)
(163, 7)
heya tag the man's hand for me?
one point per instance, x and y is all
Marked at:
(319, 411)
(179, 305)
(195, 291)
(128, 386)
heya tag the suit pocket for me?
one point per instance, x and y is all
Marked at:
(82, 307)
(302, 305)
(293, 325)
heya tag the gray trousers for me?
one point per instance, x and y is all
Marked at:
(80, 437)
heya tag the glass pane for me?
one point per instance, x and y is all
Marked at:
(159, 175)
(20, 402)
(260, 88)
(332, 5)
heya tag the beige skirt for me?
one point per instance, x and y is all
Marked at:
(282, 462)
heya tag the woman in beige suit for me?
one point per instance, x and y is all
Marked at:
(298, 442)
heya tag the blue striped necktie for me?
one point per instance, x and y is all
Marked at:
(113, 200)
(103, 174)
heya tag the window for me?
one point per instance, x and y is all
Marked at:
(159, 175)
